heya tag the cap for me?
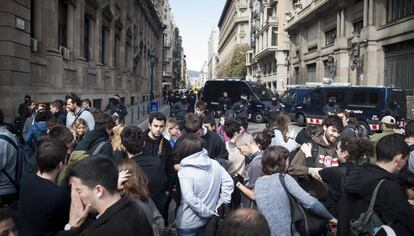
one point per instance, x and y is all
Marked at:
(388, 120)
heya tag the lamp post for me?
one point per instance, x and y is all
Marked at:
(152, 64)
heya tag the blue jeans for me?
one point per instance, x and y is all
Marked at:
(200, 231)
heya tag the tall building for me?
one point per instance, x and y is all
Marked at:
(177, 59)
(169, 46)
(94, 48)
(364, 42)
(269, 44)
(213, 56)
(234, 30)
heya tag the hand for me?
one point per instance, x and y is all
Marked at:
(122, 178)
(306, 149)
(314, 172)
(411, 202)
(78, 211)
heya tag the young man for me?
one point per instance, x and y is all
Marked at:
(321, 153)
(76, 111)
(59, 114)
(133, 139)
(209, 123)
(214, 144)
(387, 125)
(200, 110)
(7, 223)
(331, 108)
(8, 161)
(246, 222)
(391, 204)
(236, 162)
(181, 108)
(249, 148)
(44, 206)
(87, 104)
(94, 187)
(98, 141)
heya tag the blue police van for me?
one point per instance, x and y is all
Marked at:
(259, 96)
(369, 104)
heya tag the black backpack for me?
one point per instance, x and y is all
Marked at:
(24, 155)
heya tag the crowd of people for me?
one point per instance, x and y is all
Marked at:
(67, 169)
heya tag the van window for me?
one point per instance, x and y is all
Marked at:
(262, 92)
(289, 98)
(364, 98)
(315, 98)
(339, 95)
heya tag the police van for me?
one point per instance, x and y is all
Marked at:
(369, 104)
(259, 96)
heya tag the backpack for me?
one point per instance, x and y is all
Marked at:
(153, 216)
(310, 162)
(368, 220)
(24, 155)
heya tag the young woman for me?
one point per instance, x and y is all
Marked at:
(271, 197)
(205, 186)
(133, 183)
(119, 151)
(79, 129)
(171, 131)
(39, 126)
(351, 152)
(282, 137)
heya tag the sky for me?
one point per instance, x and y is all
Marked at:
(196, 19)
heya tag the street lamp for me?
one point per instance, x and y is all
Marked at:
(152, 64)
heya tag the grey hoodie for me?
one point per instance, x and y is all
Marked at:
(205, 185)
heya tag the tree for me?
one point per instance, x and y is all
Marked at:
(237, 65)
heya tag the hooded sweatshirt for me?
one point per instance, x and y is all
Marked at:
(391, 204)
(205, 185)
(91, 141)
(326, 157)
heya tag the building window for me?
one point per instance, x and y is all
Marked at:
(311, 69)
(86, 38)
(358, 26)
(312, 37)
(397, 9)
(330, 37)
(274, 36)
(62, 23)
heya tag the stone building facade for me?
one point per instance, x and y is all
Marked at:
(362, 42)
(213, 56)
(169, 45)
(96, 48)
(234, 29)
(269, 44)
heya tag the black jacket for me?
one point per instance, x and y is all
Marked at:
(157, 180)
(240, 108)
(179, 109)
(60, 117)
(124, 218)
(224, 104)
(391, 204)
(91, 141)
(152, 149)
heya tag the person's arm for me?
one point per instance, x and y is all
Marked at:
(305, 199)
(187, 191)
(227, 187)
(298, 165)
(249, 193)
(29, 136)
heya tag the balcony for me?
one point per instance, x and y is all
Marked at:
(167, 74)
(167, 43)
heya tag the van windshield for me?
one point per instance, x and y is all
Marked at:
(262, 92)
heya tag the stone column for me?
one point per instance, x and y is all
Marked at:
(342, 22)
(371, 12)
(365, 20)
(70, 26)
(50, 23)
(338, 23)
(37, 18)
(91, 40)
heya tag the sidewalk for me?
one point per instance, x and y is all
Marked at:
(143, 122)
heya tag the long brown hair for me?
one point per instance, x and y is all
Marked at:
(137, 184)
(282, 123)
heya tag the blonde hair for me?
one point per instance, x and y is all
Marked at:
(171, 124)
(137, 184)
(76, 124)
(116, 138)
